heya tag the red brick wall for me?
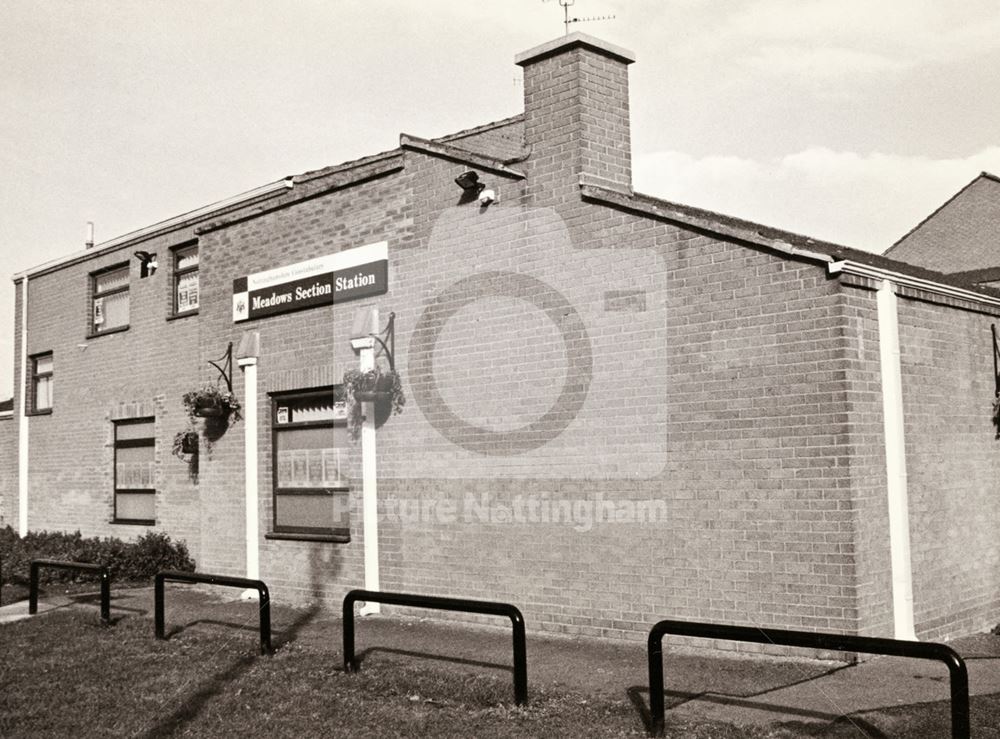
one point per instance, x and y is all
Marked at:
(298, 351)
(953, 462)
(141, 371)
(865, 448)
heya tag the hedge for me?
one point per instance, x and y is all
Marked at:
(138, 560)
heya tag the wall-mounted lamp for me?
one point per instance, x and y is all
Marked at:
(147, 263)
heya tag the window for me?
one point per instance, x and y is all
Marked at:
(41, 383)
(310, 441)
(135, 471)
(186, 279)
(110, 300)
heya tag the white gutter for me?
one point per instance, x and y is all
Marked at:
(895, 461)
(22, 432)
(167, 225)
(937, 288)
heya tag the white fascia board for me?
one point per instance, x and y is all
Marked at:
(937, 288)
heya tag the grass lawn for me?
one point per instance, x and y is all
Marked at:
(64, 674)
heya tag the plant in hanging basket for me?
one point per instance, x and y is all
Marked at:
(211, 401)
(383, 388)
(185, 442)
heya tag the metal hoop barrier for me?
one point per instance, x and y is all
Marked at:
(37, 564)
(488, 608)
(836, 642)
(223, 580)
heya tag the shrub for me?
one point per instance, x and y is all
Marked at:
(138, 560)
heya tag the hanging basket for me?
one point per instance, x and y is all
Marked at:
(381, 388)
(209, 408)
(185, 442)
(212, 403)
(378, 391)
(189, 443)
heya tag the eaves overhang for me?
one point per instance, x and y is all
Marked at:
(665, 211)
(332, 180)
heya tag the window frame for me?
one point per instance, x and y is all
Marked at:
(92, 331)
(34, 410)
(309, 533)
(117, 444)
(178, 273)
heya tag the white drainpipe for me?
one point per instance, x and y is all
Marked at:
(249, 367)
(369, 471)
(895, 462)
(22, 445)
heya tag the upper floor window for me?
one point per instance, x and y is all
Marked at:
(109, 299)
(41, 382)
(186, 279)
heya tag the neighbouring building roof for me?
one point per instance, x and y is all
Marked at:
(7, 406)
(960, 237)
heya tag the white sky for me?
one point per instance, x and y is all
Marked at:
(848, 121)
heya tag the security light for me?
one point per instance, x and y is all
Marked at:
(147, 263)
(469, 182)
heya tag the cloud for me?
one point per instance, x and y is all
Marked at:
(863, 200)
(850, 39)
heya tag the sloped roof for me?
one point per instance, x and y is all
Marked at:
(783, 242)
(962, 235)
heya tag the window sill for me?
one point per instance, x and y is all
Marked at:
(108, 332)
(43, 412)
(132, 522)
(185, 314)
(333, 538)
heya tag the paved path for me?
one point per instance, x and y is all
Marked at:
(19, 610)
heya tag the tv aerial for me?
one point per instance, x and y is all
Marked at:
(567, 20)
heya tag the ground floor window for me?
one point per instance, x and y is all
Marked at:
(310, 445)
(135, 471)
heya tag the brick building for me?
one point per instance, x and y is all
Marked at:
(961, 238)
(619, 408)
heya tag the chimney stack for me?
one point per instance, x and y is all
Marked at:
(576, 119)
